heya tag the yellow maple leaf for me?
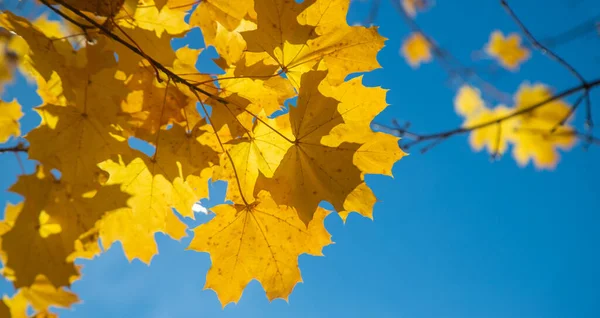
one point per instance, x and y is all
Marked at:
(10, 113)
(40, 296)
(494, 137)
(416, 50)
(539, 134)
(157, 184)
(42, 54)
(468, 101)
(221, 22)
(412, 6)
(268, 94)
(152, 105)
(311, 170)
(13, 307)
(260, 151)
(49, 205)
(260, 241)
(299, 37)
(507, 50)
(157, 47)
(149, 16)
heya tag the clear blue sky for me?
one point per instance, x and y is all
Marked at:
(454, 234)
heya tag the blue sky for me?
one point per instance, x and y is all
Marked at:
(454, 234)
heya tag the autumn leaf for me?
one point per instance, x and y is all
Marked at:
(174, 177)
(260, 152)
(495, 137)
(507, 50)
(311, 171)
(74, 138)
(222, 22)
(150, 17)
(10, 113)
(416, 49)
(468, 101)
(542, 131)
(298, 36)
(258, 241)
(47, 58)
(69, 210)
(268, 94)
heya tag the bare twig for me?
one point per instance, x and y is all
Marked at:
(586, 27)
(18, 148)
(451, 64)
(569, 114)
(539, 45)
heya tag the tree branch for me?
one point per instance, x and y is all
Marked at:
(436, 138)
(589, 124)
(18, 148)
(174, 77)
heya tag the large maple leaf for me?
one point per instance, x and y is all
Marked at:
(174, 177)
(258, 241)
(52, 219)
(320, 164)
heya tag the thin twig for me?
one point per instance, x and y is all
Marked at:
(451, 64)
(18, 148)
(584, 28)
(539, 45)
(569, 114)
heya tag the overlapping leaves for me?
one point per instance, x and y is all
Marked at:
(285, 130)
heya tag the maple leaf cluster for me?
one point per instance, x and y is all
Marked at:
(536, 125)
(526, 132)
(281, 124)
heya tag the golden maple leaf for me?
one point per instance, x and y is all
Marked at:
(221, 22)
(53, 217)
(535, 135)
(540, 132)
(260, 152)
(150, 16)
(507, 50)
(175, 176)
(10, 113)
(258, 241)
(495, 137)
(297, 37)
(416, 49)
(312, 170)
(468, 101)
